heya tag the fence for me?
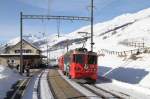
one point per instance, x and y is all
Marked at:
(134, 44)
(102, 52)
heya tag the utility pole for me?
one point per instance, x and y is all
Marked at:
(47, 47)
(58, 28)
(92, 43)
(21, 53)
(47, 53)
(67, 45)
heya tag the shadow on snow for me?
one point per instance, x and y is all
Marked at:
(129, 75)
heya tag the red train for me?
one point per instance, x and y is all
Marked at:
(79, 64)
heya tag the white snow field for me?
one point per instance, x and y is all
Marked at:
(7, 78)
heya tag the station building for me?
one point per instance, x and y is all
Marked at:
(32, 55)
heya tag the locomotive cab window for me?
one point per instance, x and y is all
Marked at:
(78, 58)
(92, 59)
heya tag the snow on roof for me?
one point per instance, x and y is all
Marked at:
(15, 41)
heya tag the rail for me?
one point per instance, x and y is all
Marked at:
(104, 94)
(19, 92)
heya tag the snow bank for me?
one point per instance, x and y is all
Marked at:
(7, 78)
(134, 72)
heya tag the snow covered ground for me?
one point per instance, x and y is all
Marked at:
(44, 90)
(129, 74)
(7, 78)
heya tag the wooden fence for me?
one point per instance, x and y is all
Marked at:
(102, 52)
(134, 44)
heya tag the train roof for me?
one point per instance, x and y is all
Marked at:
(80, 51)
(92, 53)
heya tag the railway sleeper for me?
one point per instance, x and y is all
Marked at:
(61, 88)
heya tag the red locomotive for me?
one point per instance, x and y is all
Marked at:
(79, 64)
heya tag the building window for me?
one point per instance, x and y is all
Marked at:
(11, 61)
(28, 51)
(24, 51)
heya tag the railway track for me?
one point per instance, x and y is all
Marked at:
(38, 87)
(44, 89)
(50, 84)
(60, 88)
(96, 92)
(32, 90)
(20, 89)
(36, 91)
(104, 94)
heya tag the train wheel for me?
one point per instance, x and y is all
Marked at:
(91, 81)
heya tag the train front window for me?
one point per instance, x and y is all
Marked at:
(78, 58)
(92, 59)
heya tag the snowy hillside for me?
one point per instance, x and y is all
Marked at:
(113, 35)
(122, 29)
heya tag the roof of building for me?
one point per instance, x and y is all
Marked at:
(25, 42)
(24, 54)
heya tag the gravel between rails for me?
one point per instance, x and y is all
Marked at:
(60, 88)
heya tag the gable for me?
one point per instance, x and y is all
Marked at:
(25, 45)
(27, 48)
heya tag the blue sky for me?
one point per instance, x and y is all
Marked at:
(104, 10)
